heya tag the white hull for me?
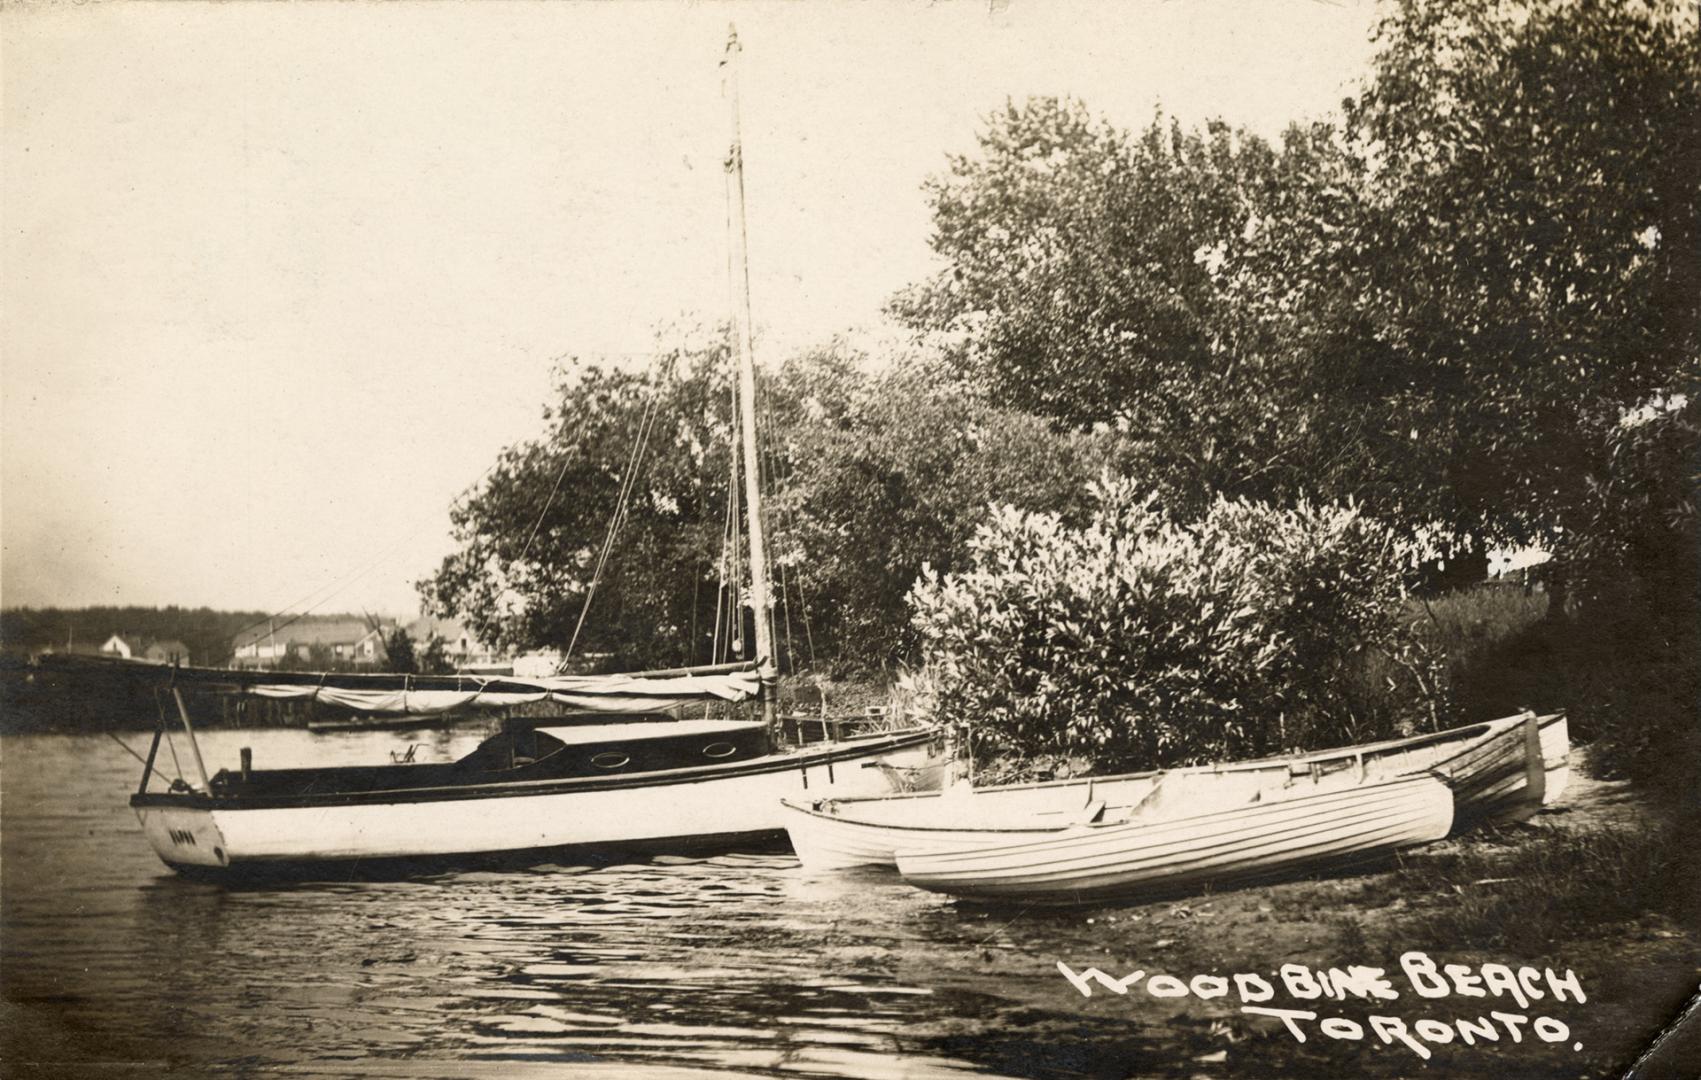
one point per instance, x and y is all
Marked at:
(1096, 862)
(1490, 764)
(683, 806)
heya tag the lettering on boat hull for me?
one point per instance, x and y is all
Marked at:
(185, 837)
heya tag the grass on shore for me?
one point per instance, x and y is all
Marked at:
(1526, 896)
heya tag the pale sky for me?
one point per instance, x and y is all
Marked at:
(278, 281)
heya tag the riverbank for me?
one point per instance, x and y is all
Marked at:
(1456, 903)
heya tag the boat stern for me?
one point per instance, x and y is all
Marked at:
(183, 836)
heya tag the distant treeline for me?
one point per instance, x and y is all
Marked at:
(206, 633)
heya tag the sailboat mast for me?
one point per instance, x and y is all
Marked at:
(744, 348)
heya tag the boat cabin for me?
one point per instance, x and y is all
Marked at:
(520, 754)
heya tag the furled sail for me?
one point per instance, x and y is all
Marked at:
(575, 693)
(425, 695)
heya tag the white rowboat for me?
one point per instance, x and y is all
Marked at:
(1087, 863)
(1501, 771)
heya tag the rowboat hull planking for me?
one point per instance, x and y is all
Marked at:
(1143, 860)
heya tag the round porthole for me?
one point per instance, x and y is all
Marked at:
(608, 759)
(719, 750)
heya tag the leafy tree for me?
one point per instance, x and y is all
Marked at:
(531, 533)
(1080, 288)
(434, 657)
(398, 652)
(871, 475)
(1528, 250)
(1433, 305)
(886, 473)
(1632, 662)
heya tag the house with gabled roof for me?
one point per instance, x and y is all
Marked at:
(462, 647)
(343, 640)
(136, 647)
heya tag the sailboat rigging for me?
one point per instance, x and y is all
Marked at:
(539, 787)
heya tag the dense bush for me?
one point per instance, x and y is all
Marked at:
(1633, 649)
(1137, 640)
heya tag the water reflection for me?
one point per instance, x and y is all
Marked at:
(740, 962)
(716, 962)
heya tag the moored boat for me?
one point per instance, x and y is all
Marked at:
(1160, 855)
(689, 785)
(1500, 771)
(541, 788)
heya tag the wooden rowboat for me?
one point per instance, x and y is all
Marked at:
(1500, 771)
(1180, 854)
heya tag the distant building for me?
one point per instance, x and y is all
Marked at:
(119, 645)
(167, 651)
(465, 651)
(349, 641)
(134, 647)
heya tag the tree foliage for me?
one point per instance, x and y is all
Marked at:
(530, 534)
(1632, 663)
(1078, 288)
(871, 474)
(1137, 640)
(207, 633)
(886, 472)
(1427, 305)
(1529, 248)
(399, 654)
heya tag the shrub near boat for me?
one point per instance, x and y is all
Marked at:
(1136, 639)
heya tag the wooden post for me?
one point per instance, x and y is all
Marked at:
(194, 746)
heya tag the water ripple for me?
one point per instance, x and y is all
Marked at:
(740, 963)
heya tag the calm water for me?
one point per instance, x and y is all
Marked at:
(742, 964)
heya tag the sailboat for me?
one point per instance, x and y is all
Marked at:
(535, 789)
